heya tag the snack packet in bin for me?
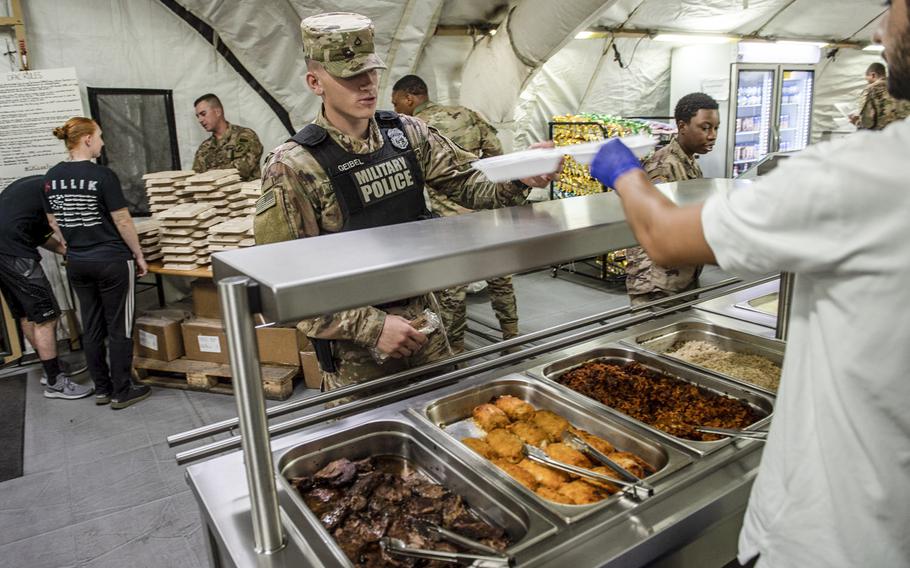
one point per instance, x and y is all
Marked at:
(426, 323)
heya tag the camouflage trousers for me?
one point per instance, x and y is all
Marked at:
(646, 281)
(355, 364)
(455, 310)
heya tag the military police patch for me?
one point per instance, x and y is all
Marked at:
(398, 139)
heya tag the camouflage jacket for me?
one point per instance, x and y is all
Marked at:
(239, 148)
(670, 163)
(298, 201)
(878, 108)
(466, 128)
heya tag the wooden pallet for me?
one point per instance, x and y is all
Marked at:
(185, 374)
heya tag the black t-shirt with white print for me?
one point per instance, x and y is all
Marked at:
(81, 195)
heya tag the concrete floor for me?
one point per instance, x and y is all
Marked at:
(101, 487)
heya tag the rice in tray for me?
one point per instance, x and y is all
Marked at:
(753, 369)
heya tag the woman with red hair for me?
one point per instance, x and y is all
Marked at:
(103, 258)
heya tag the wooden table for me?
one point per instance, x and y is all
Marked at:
(158, 270)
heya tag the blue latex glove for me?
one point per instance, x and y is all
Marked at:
(612, 161)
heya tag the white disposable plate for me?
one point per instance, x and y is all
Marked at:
(519, 165)
(540, 161)
(641, 145)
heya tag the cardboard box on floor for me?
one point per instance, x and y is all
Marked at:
(158, 338)
(205, 299)
(311, 375)
(205, 340)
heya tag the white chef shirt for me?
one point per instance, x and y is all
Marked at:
(833, 488)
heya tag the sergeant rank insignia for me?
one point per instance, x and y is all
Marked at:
(398, 139)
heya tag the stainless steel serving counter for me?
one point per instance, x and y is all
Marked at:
(699, 492)
(705, 495)
(732, 305)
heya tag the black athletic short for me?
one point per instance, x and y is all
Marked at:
(26, 289)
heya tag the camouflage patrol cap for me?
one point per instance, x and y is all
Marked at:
(340, 41)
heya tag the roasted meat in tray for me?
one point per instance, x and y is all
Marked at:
(359, 502)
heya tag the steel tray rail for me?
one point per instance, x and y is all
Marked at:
(661, 340)
(412, 449)
(761, 404)
(451, 413)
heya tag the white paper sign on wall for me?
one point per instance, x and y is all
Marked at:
(718, 89)
(32, 104)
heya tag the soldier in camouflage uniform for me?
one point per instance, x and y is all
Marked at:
(356, 168)
(230, 146)
(470, 131)
(877, 107)
(697, 119)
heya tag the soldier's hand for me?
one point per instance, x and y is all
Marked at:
(542, 181)
(398, 339)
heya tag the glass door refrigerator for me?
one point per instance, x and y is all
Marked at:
(773, 112)
(794, 112)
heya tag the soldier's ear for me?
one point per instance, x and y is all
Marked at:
(314, 84)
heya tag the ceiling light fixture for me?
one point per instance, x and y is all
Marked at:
(875, 47)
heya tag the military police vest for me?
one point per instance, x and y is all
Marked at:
(382, 188)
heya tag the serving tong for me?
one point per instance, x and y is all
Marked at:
(582, 445)
(635, 489)
(733, 433)
(491, 559)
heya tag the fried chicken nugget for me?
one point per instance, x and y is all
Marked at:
(514, 407)
(529, 433)
(597, 443)
(567, 454)
(609, 488)
(489, 417)
(479, 446)
(553, 495)
(545, 476)
(506, 445)
(553, 424)
(581, 493)
(631, 463)
(518, 474)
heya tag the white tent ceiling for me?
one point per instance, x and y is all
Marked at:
(811, 19)
(142, 44)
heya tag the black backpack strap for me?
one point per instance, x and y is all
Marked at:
(310, 135)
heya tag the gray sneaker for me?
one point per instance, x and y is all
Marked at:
(69, 370)
(67, 389)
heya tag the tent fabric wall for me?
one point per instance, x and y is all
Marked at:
(582, 78)
(828, 19)
(141, 44)
(440, 67)
(265, 36)
(839, 80)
